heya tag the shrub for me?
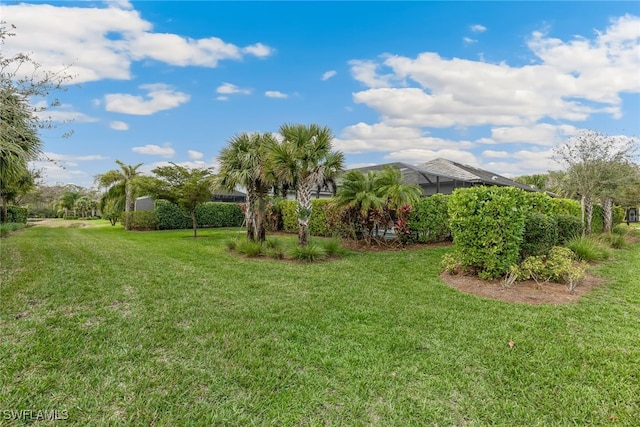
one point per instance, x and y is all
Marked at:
(319, 224)
(621, 229)
(429, 219)
(618, 215)
(487, 224)
(540, 235)
(569, 227)
(231, 244)
(588, 249)
(42, 213)
(141, 220)
(9, 227)
(311, 252)
(210, 214)
(15, 214)
(275, 248)
(449, 263)
(538, 202)
(559, 206)
(615, 241)
(558, 266)
(251, 249)
(333, 247)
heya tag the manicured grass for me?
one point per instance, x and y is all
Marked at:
(162, 329)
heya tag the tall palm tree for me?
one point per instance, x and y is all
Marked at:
(125, 177)
(244, 163)
(303, 159)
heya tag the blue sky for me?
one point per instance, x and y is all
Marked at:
(492, 84)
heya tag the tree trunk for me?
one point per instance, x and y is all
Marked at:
(260, 218)
(607, 214)
(194, 221)
(250, 215)
(304, 210)
(588, 213)
(5, 217)
(127, 204)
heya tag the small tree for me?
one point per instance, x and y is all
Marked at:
(589, 156)
(187, 188)
(124, 181)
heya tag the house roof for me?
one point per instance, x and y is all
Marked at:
(469, 173)
(443, 170)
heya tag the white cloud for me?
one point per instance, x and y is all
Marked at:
(539, 134)
(229, 88)
(62, 114)
(222, 98)
(571, 81)
(101, 43)
(275, 94)
(496, 154)
(416, 156)
(328, 74)
(477, 28)
(160, 97)
(194, 155)
(363, 138)
(73, 158)
(155, 150)
(469, 40)
(121, 4)
(118, 125)
(259, 50)
(190, 164)
(366, 72)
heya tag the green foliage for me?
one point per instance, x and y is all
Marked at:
(487, 224)
(311, 252)
(538, 202)
(113, 217)
(319, 224)
(621, 229)
(333, 247)
(569, 227)
(9, 227)
(275, 248)
(540, 235)
(43, 213)
(597, 221)
(251, 249)
(588, 249)
(231, 244)
(613, 240)
(141, 220)
(618, 215)
(559, 206)
(15, 214)
(429, 219)
(210, 214)
(557, 266)
(449, 263)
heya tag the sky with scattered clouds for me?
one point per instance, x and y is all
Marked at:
(491, 84)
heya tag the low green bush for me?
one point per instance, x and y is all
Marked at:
(311, 252)
(487, 225)
(319, 224)
(15, 214)
(141, 220)
(210, 214)
(557, 266)
(559, 206)
(621, 229)
(588, 249)
(569, 227)
(251, 249)
(333, 247)
(10, 227)
(613, 240)
(540, 235)
(429, 219)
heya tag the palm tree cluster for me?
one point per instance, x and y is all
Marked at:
(300, 157)
(375, 201)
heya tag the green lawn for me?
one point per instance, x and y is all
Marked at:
(158, 328)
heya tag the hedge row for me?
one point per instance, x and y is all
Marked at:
(210, 214)
(15, 214)
(429, 219)
(141, 220)
(322, 220)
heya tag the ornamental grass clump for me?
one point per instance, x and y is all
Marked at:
(588, 249)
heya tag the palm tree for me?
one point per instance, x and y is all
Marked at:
(303, 159)
(389, 185)
(124, 177)
(19, 143)
(243, 162)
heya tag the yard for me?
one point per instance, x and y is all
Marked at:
(158, 328)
